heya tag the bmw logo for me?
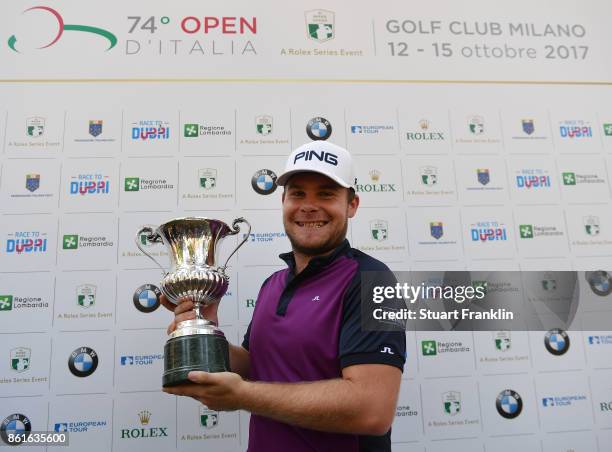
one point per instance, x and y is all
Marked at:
(83, 362)
(509, 404)
(146, 298)
(15, 424)
(557, 342)
(600, 282)
(319, 129)
(264, 181)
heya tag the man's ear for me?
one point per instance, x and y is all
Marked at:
(353, 205)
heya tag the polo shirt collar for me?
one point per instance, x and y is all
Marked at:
(319, 261)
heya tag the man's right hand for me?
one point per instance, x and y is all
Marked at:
(184, 311)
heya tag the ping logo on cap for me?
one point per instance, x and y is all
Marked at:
(326, 157)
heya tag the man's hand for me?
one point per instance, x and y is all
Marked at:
(219, 391)
(184, 311)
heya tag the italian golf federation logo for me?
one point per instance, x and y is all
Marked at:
(86, 295)
(83, 362)
(429, 175)
(15, 424)
(264, 182)
(20, 359)
(35, 126)
(451, 401)
(95, 127)
(263, 124)
(503, 341)
(528, 126)
(32, 182)
(600, 282)
(318, 128)
(61, 28)
(509, 404)
(557, 342)
(476, 125)
(436, 228)
(379, 230)
(146, 298)
(320, 25)
(207, 178)
(208, 418)
(591, 225)
(483, 176)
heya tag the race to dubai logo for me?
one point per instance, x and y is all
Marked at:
(509, 404)
(35, 126)
(575, 129)
(89, 184)
(61, 27)
(26, 242)
(263, 124)
(320, 25)
(379, 230)
(487, 231)
(532, 178)
(150, 130)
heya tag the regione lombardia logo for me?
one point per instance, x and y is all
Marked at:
(40, 15)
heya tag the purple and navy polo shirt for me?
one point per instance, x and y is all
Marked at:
(307, 327)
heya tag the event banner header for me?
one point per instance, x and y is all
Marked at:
(515, 42)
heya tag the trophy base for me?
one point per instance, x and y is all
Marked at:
(182, 354)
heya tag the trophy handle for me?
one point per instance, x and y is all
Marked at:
(235, 230)
(152, 237)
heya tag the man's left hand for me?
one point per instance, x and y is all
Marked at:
(219, 391)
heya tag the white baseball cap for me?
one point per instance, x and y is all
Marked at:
(320, 157)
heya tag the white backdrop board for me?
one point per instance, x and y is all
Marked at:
(97, 142)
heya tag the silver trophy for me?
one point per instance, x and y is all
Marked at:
(192, 244)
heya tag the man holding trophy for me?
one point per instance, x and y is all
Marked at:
(310, 376)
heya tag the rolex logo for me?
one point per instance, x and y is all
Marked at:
(145, 417)
(374, 175)
(424, 124)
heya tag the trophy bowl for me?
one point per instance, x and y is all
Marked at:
(192, 244)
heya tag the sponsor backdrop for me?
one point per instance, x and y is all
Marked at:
(483, 140)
